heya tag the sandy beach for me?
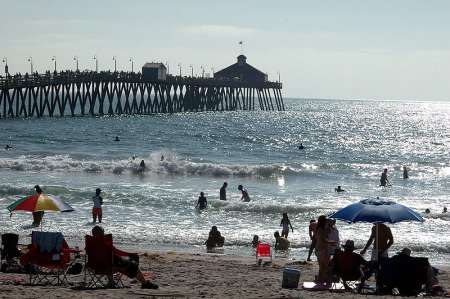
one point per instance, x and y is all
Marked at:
(194, 276)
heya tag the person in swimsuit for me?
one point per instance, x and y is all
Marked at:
(312, 236)
(384, 180)
(202, 203)
(97, 209)
(245, 197)
(285, 223)
(223, 191)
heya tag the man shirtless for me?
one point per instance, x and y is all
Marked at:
(382, 239)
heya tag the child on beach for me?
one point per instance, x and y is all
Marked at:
(285, 223)
(97, 209)
(245, 197)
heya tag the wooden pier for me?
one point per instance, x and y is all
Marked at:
(91, 93)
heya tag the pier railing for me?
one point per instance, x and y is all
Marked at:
(80, 93)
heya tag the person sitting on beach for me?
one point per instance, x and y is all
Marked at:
(255, 241)
(312, 232)
(202, 203)
(384, 180)
(223, 191)
(215, 239)
(348, 265)
(382, 239)
(128, 267)
(97, 209)
(339, 189)
(285, 223)
(38, 215)
(245, 197)
(333, 235)
(280, 242)
(405, 173)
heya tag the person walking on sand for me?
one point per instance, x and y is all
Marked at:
(384, 180)
(38, 215)
(245, 197)
(202, 203)
(97, 209)
(285, 223)
(382, 239)
(223, 191)
(312, 236)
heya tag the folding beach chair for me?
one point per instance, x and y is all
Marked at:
(263, 251)
(99, 270)
(48, 258)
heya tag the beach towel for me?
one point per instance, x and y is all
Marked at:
(47, 241)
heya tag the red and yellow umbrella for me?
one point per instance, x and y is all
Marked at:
(40, 202)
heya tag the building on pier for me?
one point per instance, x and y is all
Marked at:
(154, 71)
(242, 71)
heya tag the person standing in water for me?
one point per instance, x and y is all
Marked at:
(38, 215)
(285, 223)
(384, 180)
(245, 197)
(223, 191)
(202, 203)
(97, 209)
(405, 173)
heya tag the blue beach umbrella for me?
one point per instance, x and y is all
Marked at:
(376, 211)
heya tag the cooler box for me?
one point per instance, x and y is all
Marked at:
(290, 278)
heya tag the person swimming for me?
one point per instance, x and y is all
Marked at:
(142, 164)
(339, 189)
(427, 211)
(8, 147)
(202, 203)
(444, 210)
(245, 197)
(301, 147)
(117, 138)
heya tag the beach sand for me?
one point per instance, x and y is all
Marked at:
(194, 276)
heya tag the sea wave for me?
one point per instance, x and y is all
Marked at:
(170, 165)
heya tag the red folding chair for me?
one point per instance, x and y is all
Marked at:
(99, 270)
(47, 264)
(263, 251)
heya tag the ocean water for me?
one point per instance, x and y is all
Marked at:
(346, 143)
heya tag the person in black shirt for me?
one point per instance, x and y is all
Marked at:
(223, 191)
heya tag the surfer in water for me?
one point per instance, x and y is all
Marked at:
(339, 189)
(202, 203)
(245, 197)
(384, 180)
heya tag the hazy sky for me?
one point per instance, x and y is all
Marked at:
(322, 49)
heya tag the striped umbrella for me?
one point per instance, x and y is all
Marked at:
(40, 202)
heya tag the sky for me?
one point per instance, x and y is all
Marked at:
(346, 49)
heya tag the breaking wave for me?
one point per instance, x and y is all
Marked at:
(170, 165)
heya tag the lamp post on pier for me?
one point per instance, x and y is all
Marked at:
(192, 70)
(30, 60)
(179, 66)
(115, 64)
(54, 59)
(75, 58)
(5, 61)
(96, 63)
(132, 64)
